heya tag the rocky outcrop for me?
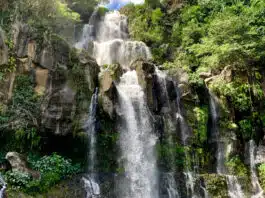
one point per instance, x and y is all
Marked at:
(185, 89)
(226, 74)
(21, 39)
(19, 163)
(91, 69)
(6, 87)
(58, 108)
(3, 49)
(107, 78)
(41, 79)
(145, 71)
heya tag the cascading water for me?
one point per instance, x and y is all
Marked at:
(257, 190)
(234, 188)
(172, 189)
(3, 184)
(137, 141)
(91, 185)
(168, 178)
(185, 134)
(110, 41)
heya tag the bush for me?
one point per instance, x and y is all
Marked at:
(56, 164)
(53, 169)
(237, 167)
(261, 171)
(17, 179)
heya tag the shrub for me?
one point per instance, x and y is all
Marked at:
(17, 179)
(53, 169)
(261, 171)
(237, 167)
(56, 164)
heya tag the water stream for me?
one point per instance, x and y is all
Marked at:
(109, 39)
(137, 142)
(91, 186)
(257, 190)
(3, 184)
(234, 188)
(168, 178)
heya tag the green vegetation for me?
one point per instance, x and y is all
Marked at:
(216, 185)
(261, 171)
(224, 39)
(52, 168)
(237, 167)
(19, 121)
(202, 36)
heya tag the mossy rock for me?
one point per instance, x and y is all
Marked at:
(216, 185)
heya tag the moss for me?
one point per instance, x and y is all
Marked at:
(201, 119)
(261, 172)
(237, 167)
(216, 185)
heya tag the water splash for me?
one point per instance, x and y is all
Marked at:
(257, 190)
(91, 186)
(137, 141)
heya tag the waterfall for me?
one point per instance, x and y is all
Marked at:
(3, 184)
(137, 141)
(91, 186)
(257, 190)
(168, 178)
(234, 188)
(190, 177)
(172, 189)
(109, 39)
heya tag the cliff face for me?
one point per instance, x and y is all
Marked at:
(208, 122)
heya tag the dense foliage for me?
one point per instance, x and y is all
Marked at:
(209, 37)
(52, 168)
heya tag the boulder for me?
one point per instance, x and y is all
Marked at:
(19, 163)
(3, 49)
